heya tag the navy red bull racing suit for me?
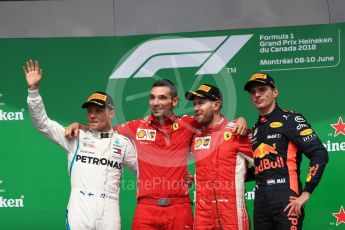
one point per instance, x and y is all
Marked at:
(278, 141)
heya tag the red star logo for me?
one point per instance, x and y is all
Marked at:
(340, 216)
(339, 127)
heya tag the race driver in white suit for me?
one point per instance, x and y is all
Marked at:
(95, 158)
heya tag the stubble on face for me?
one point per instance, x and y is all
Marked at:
(203, 109)
(160, 102)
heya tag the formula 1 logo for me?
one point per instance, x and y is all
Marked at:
(211, 54)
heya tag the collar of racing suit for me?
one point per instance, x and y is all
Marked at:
(168, 121)
(265, 118)
(101, 135)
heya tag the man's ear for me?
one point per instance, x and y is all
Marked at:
(217, 105)
(275, 92)
(175, 101)
(112, 113)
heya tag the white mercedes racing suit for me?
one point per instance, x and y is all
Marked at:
(95, 162)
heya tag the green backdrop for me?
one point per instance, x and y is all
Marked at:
(305, 61)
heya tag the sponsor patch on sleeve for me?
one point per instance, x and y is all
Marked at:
(312, 171)
(227, 136)
(306, 132)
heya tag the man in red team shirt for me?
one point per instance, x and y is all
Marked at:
(221, 160)
(162, 141)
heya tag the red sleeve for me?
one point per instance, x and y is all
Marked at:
(190, 120)
(127, 129)
(245, 146)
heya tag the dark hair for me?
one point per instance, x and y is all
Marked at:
(167, 83)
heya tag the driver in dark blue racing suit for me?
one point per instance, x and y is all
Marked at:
(279, 138)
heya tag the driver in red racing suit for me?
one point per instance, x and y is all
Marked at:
(221, 160)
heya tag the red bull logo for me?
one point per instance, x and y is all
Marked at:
(265, 164)
(264, 149)
(312, 172)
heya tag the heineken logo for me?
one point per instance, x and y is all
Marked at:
(339, 127)
(335, 142)
(10, 116)
(210, 54)
(12, 203)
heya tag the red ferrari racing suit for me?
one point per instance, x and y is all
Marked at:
(163, 197)
(221, 159)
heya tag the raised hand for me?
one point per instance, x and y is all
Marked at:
(33, 74)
